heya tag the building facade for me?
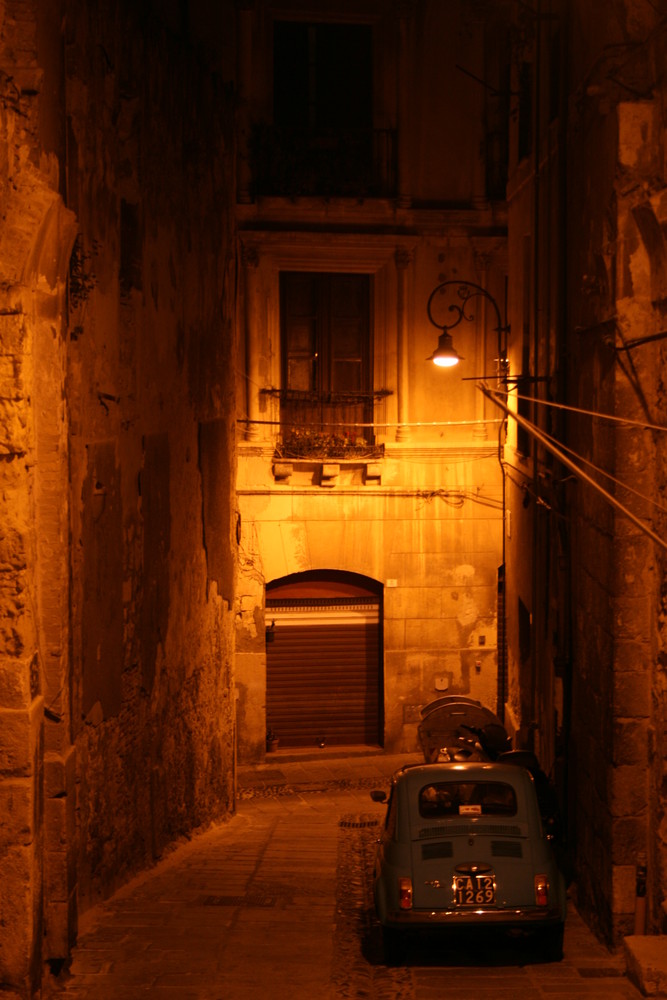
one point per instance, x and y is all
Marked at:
(369, 486)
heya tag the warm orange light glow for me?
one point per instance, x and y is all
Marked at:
(446, 361)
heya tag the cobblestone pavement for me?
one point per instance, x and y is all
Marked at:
(277, 902)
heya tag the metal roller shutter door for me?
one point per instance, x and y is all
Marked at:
(323, 674)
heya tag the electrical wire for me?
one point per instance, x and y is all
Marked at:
(373, 423)
(587, 413)
(607, 475)
(457, 498)
(591, 465)
(536, 433)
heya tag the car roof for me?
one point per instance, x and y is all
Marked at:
(462, 771)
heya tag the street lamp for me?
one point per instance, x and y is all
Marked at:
(455, 300)
(458, 296)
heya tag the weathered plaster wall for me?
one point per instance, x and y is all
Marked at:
(593, 570)
(439, 550)
(430, 516)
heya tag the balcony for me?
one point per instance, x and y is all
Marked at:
(330, 163)
(332, 425)
(304, 442)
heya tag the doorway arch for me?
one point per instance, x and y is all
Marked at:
(324, 659)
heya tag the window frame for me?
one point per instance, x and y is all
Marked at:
(326, 407)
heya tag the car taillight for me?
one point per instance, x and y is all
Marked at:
(541, 890)
(405, 893)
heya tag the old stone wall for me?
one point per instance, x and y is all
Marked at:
(586, 205)
(117, 559)
(36, 237)
(616, 318)
(150, 369)
(640, 695)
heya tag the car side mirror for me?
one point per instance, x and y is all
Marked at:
(378, 795)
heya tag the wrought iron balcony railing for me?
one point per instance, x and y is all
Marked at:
(356, 163)
(327, 425)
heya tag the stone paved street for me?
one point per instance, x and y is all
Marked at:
(277, 903)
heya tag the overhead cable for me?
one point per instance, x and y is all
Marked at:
(586, 413)
(374, 423)
(494, 396)
(608, 475)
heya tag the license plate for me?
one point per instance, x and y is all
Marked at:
(475, 890)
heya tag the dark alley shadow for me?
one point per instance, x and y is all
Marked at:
(475, 948)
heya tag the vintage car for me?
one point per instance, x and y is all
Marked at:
(463, 845)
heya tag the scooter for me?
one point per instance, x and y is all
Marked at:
(455, 728)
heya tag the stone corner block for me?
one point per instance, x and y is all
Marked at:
(59, 773)
(329, 473)
(61, 928)
(646, 959)
(282, 471)
(19, 737)
(373, 473)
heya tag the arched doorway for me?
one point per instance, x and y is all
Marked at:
(323, 659)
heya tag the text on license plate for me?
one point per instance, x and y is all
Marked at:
(475, 890)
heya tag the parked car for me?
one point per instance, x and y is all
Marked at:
(463, 845)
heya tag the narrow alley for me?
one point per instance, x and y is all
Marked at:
(278, 899)
(333, 346)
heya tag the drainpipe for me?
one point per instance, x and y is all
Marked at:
(535, 626)
(640, 896)
(250, 262)
(402, 258)
(565, 641)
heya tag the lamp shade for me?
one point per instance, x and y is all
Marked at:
(445, 354)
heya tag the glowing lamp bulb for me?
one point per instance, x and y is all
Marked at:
(445, 354)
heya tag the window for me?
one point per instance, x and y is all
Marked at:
(525, 110)
(554, 72)
(326, 392)
(321, 140)
(322, 76)
(454, 798)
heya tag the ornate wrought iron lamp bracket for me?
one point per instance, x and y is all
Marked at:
(459, 296)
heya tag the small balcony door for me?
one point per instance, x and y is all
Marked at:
(326, 391)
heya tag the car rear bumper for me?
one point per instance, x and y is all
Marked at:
(509, 917)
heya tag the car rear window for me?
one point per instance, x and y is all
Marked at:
(467, 798)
